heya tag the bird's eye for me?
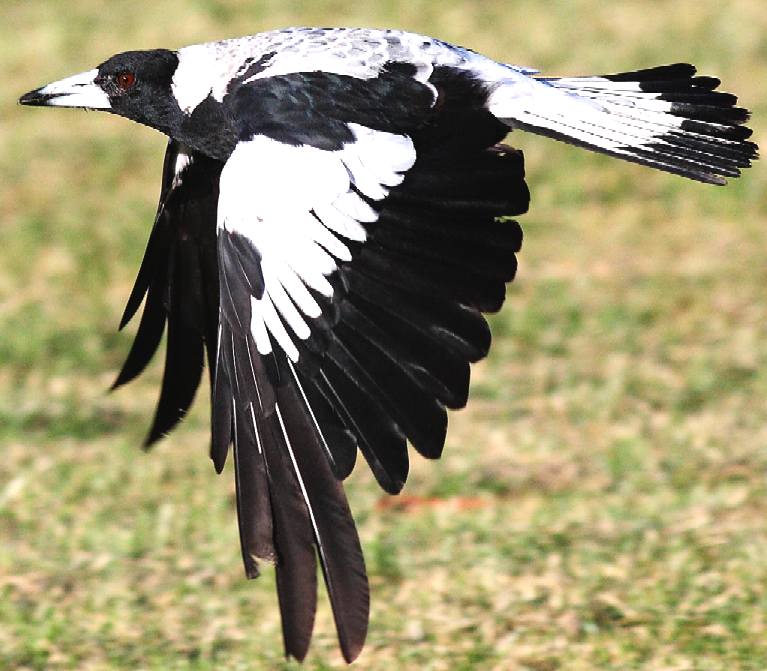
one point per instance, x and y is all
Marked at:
(125, 80)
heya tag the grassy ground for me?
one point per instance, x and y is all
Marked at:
(602, 503)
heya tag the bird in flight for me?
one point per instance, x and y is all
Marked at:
(334, 220)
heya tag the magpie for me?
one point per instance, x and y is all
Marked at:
(334, 220)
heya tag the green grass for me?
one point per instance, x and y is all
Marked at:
(602, 502)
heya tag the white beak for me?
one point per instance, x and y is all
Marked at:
(76, 91)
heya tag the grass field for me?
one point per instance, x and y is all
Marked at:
(602, 502)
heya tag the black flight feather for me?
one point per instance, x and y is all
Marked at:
(418, 413)
(154, 259)
(338, 544)
(175, 276)
(440, 369)
(147, 338)
(380, 440)
(293, 537)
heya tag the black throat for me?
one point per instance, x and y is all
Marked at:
(151, 101)
(207, 129)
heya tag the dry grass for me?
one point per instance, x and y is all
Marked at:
(602, 502)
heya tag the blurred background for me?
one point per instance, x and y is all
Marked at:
(602, 502)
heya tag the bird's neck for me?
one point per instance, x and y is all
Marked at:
(206, 129)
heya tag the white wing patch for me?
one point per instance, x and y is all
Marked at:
(300, 206)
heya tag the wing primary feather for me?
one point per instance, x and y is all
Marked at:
(427, 353)
(159, 239)
(336, 537)
(460, 327)
(417, 412)
(296, 560)
(251, 486)
(318, 430)
(381, 440)
(221, 402)
(146, 341)
(184, 359)
(157, 248)
(341, 440)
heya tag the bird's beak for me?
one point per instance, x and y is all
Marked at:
(76, 91)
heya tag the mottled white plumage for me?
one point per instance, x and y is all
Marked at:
(208, 68)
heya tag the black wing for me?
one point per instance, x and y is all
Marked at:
(390, 347)
(179, 278)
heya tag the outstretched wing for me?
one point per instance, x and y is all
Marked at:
(316, 152)
(179, 278)
(357, 249)
(359, 243)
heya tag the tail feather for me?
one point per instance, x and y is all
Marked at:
(653, 151)
(664, 117)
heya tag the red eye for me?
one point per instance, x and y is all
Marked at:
(125, 80)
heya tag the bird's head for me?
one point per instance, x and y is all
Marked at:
(133, 84)
(143, 86)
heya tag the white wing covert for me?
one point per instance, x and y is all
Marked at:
(301, 207)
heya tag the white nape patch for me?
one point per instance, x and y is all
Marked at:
(197, 72)
(298, 206)
(77, 91)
